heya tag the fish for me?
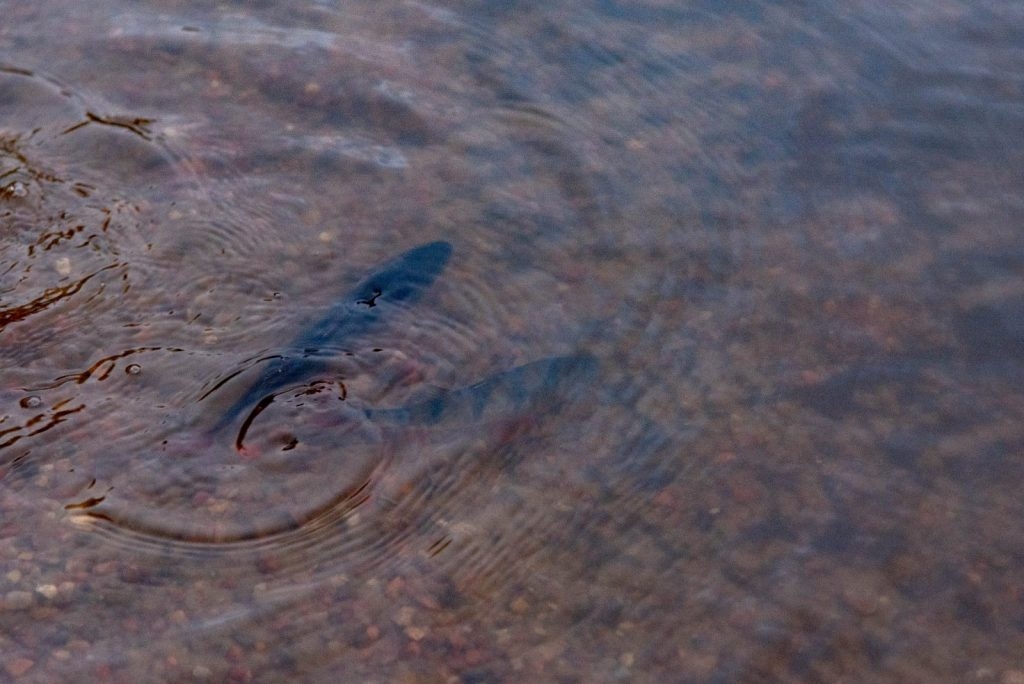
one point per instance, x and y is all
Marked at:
(509, 391)
(390, 287)
(501, 407)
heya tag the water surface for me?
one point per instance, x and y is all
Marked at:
(720, 381)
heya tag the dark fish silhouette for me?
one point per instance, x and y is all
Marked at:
(508, 391)
(395, 284)
(504, 403)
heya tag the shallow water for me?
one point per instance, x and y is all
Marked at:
(721, 380)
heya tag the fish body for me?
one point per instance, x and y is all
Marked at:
(531, 384)
(394, 285)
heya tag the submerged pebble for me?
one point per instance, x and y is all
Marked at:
(31, 402)
(18, 600)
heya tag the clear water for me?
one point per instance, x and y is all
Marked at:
(721, 381)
